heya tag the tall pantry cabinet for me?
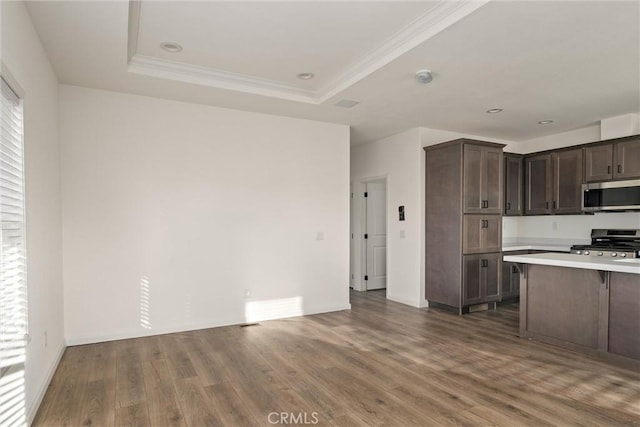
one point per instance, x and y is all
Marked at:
(464, 197)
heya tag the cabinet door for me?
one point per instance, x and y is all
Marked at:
(513, 185)
(538, 184)
(510, 277)
(472, 283)
(627, 159)
(481, 233)
(472, 189)
(515, 281)
(491, 275)
(472, 230)
(567, 182)
(492, 182)
(492, 233)
(598, 163)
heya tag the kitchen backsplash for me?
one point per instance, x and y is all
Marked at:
(565, 226)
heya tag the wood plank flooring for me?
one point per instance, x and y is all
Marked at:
(382, 363)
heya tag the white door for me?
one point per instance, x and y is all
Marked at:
(376, 236)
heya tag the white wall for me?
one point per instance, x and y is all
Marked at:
(25, 59)
(172, 210)
(566, 227)
(398, 159)
(558, 140)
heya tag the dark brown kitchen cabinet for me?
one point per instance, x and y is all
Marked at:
(510, 280)
(482, 167)
(598, 163)
(481, 233)
(618, 159)
(538, 177)
(481, 278)
(567, 182)
(554, 183)
(463, 212)
(513, 184)
(627, 159)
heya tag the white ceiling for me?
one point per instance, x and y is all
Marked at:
(574, 62)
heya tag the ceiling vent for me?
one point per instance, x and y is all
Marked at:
(346, 103)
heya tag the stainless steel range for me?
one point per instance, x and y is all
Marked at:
(611, 243)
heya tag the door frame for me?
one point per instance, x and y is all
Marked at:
(358, 249)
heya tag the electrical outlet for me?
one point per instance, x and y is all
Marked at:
(46, 339)
(320, 235)
(247, 293)
(554, 225)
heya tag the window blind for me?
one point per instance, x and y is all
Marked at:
(13, 286)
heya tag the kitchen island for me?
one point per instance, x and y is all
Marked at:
(588, 304)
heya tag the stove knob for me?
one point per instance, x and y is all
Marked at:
(599, 253)
(579, 252)
(587, 252)
(623, 255)
(613, 254)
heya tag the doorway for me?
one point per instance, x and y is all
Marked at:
(374, 242)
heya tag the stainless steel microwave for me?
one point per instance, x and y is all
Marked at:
(611, 196)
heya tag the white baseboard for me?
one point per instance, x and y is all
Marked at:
(138, 333)
(404, 301)
(42, 390)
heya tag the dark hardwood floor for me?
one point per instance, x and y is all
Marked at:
(382, 363)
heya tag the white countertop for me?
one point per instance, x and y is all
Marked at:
(535, 247)
(541, 244)
(619, 265)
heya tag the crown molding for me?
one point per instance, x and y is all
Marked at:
(220, 79)
(444, 14)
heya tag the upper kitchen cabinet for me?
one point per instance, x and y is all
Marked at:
(513, 184)
(627, 159)
(554, 183)
(538, 176)
(567, 182)
(617, 159)
(482, 179)
(598, 163)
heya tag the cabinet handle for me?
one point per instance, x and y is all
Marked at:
(484, 263)
(546, 205)
(619, 168)
(508, 206)
(609, 170)
(554, 204)
(514, 269)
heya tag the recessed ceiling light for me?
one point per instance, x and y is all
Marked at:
(305, 76)
(171, 47)
(494, 110)
(545, 122)
(424, 76)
